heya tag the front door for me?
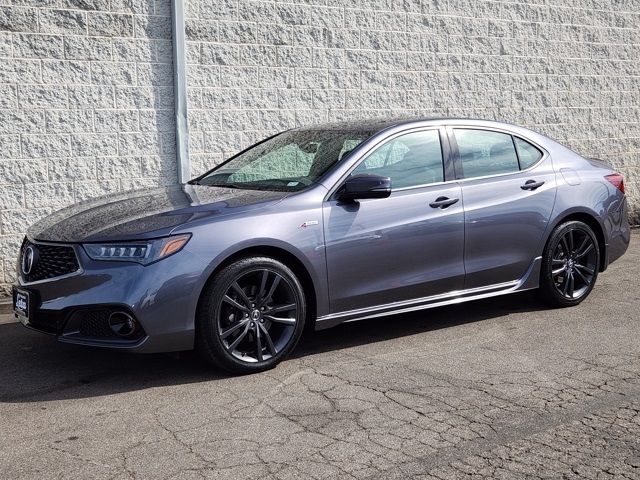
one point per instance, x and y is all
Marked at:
(407, 246)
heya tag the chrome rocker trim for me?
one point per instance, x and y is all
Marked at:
(529, 281)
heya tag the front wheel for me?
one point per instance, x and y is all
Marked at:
(251, 315)
(569, 265)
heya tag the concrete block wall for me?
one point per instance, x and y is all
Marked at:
(568, 69)
(86, 97)
(86, 106)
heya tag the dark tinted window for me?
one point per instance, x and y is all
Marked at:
(483, 152)
(528, 154)
(409, 160)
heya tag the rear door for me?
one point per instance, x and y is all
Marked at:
(403, 247)
(508, 188)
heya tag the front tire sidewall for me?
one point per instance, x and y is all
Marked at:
(547, 290)
(208, 341)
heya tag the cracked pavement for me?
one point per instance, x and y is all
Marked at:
(499, 388)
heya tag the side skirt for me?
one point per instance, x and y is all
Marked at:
(528, 282)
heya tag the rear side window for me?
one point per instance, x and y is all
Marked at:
(483, 152)
(527, 153)
(409, 160)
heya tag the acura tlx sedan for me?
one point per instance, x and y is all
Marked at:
(323, 225)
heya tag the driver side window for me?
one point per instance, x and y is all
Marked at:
(408, 160)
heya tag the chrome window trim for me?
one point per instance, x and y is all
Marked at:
(545, 153)
(423, 185)
(443, 128)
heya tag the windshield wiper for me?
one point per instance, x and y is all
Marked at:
(220, 185)
(245, 186)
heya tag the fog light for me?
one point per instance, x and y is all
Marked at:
(122, 324)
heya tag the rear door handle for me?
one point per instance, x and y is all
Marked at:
(531, 185)
(443, 202)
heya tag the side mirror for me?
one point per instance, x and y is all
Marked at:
(364, 186)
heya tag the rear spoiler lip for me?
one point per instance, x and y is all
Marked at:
(598, 162)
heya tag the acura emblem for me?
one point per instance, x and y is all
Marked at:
(28, 259)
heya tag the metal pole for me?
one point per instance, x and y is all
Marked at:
(180, 90)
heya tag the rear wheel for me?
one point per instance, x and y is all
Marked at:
(251, 315)
(569, 265)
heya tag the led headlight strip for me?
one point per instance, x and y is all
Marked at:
(144, 252)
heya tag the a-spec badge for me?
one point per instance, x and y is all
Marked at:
(309, 223)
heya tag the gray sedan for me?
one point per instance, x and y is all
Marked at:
(322, 225)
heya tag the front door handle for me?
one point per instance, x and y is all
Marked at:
(531, 185)
(443, 202)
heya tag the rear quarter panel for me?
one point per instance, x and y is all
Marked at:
(582, 188)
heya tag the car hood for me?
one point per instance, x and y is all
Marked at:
(143, 214)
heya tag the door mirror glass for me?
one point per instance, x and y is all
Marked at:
(364, 186)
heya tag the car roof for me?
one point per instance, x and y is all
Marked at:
(371, 124)
(375, 125)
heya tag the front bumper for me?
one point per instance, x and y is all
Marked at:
(161, 297)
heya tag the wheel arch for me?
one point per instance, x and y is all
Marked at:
(286, 257)
(592, 221)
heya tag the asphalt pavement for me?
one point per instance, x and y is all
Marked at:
(499, 388)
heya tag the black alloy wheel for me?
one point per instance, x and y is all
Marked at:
(570, 264)
(251, 315)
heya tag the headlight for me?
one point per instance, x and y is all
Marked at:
(144, 252)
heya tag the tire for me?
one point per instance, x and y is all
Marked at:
(570, 265)
(250, 316)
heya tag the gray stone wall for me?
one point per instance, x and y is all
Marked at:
(86, 97)
(569, 69)
(86, 106)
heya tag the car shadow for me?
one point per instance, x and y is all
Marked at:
(34, 367)
(353, 334)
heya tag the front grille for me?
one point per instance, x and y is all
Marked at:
(49, 261)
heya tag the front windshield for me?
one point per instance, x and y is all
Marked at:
(290, 161)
